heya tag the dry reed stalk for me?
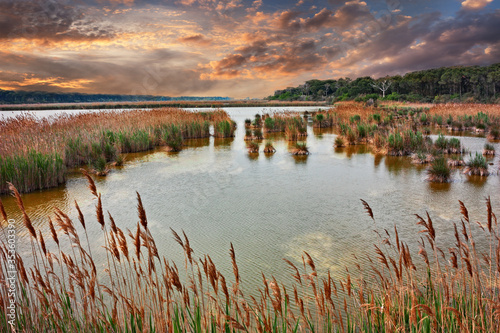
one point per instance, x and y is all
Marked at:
(463, 303)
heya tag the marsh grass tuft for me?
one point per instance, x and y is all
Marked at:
(269, 148)
(439, 170)
(477, 166)
(489, 149)
(300, 148)
(339, 142)
(253, 147)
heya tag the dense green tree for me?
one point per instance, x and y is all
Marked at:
(475, 83)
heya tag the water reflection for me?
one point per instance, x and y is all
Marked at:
(477, 181)
(197, 143)
(351, 150)
(319, 132)
(205, 188)
(397, 165)
(253, 156)
(439, 187)
(300, 159)
(223, 143)
(274, 136)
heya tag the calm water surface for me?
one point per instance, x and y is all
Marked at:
(270, 207)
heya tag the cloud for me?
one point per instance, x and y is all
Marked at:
(48, 20)
(158, 72)
(475, 4)
(195, 39)
(425, 42)
(199, 47)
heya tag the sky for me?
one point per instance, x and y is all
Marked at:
(234, 48)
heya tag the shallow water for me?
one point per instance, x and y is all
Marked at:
(269, 206)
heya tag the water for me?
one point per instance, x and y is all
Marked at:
(269, 207)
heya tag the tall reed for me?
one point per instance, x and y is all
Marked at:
(62, 287)
(35, 153)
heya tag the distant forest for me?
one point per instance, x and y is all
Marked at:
(446, 84)
(36, 97)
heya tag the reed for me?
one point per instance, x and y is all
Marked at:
(324, 119)
(300, 148)
(36, 153)
(439, 171)
(339, 142)
(269, 148)
(253, 147)
(489, 149)
(139, 290)
(477, 165)
(224, 127)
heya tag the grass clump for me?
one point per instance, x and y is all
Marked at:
(489, 149)
(339, 142)
(300, 148)
(224, 128)
(253, 147)
(477, 166)
(257, 134)
(173, 138)
(269, 148)
(439, 170)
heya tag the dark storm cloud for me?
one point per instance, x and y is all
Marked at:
(48, 20)
(431, 41)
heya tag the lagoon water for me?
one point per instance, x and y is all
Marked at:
(270, 207)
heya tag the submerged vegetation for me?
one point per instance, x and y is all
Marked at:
(35, 153)
(63, 287)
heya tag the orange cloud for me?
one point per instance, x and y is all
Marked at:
(475, 4)
(28, 80)
(195, 39)
(125, 2)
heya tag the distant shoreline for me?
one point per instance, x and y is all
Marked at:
(149, 105)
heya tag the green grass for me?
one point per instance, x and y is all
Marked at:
(477, 161)
(439, 170)
(173, 137)
(489, 146)
(37, 153)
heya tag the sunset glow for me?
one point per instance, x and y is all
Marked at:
(236, 48)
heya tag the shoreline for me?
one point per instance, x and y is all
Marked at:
(148, 105)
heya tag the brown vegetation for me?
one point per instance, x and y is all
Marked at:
(65, 289)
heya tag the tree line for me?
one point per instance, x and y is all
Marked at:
(446, 84)
(41, 97)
